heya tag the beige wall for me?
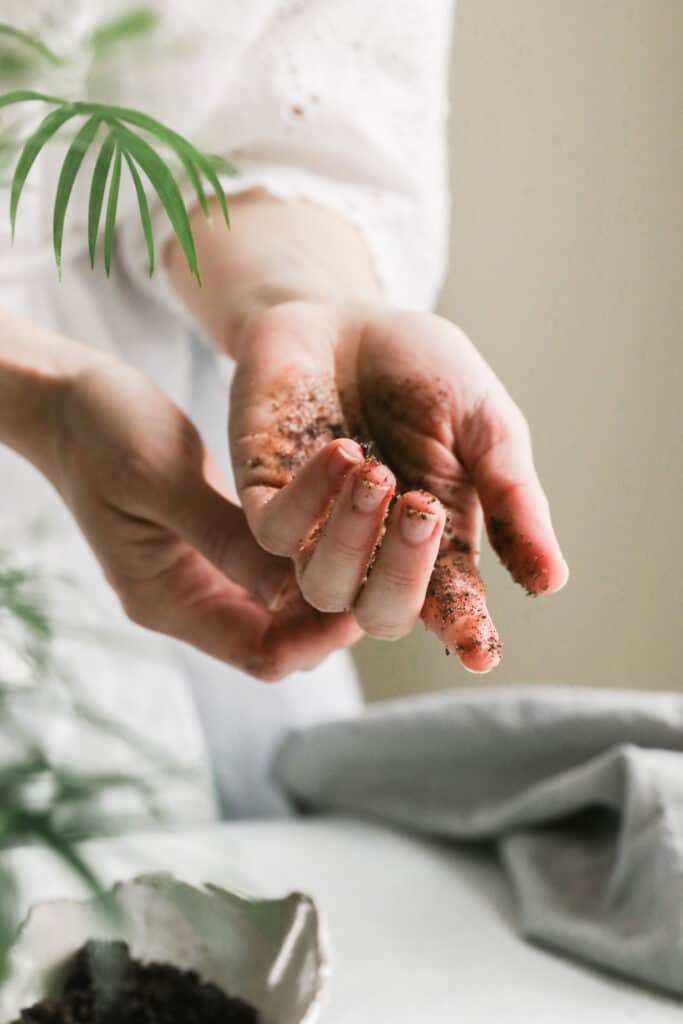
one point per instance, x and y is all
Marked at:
(567, 271)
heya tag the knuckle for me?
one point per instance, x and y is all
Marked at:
(380, 628)
(386, 631)
(346, 550)
(399, 579)
(320, 586)
(322, 599)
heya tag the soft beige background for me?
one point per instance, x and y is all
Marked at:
(567, 270)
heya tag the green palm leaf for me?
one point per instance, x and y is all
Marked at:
(190, 157)
(132, 23)
(144, 211)
(137, 151)
(27, 95)
(166, 188)
(97, 187)
(48, 127)
(185, 151)
(67, 177)
(31, 42)
(220, 164)
(112, 203)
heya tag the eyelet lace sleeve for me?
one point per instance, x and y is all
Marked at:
(340, 102)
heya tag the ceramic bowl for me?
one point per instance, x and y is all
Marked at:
(271, 953)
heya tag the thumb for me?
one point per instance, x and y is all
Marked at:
(218, 530)
(284, 405)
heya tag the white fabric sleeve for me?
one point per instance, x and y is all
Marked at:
(342, 103)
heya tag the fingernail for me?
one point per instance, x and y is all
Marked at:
(369, 494)
(275, 586)
(416, 526)
(342, 457)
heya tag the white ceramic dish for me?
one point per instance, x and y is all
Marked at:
(271, 953)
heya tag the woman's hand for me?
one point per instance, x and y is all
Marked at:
(441, 431)
(153, 506)
(290, 293)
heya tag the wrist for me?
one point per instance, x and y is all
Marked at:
(37, 370)
(277, 312)
(278, 251)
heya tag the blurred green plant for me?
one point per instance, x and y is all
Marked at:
(19, 57)
(42, 801)
(138, 21)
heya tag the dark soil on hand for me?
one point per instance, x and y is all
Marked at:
(517, 554)
(106, 986)
(459, 593)
(305, 416)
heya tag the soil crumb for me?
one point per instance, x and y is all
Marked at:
(106, 986)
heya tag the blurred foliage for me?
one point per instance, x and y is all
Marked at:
(42, 801)
(136, 22)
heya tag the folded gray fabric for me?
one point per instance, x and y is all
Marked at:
(582, 790)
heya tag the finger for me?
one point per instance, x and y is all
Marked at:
(282, 519)
(331, 570)
(191, 601)
(269, 647)
(284, 402)
(393, 596)
(303, 641)
(218, 530)
(499, 458)
(455, 609)
(266, 647)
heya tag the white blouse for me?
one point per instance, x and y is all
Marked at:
(342, 102)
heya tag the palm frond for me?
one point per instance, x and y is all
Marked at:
(48, 127)
(221, 165)
(165, 187)
(191, 158)
(97, 189)
(137, 22)
(112, 203)
(67, 177)
(144, 211)
(36, 46)
(122, 142)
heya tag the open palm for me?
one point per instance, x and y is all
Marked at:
(437, 427)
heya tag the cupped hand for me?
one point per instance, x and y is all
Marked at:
(153, 506)
(334, 413)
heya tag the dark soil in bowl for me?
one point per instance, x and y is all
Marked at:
(104, 985)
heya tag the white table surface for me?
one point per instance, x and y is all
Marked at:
(420, 931)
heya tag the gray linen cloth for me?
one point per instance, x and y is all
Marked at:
(581, 790)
